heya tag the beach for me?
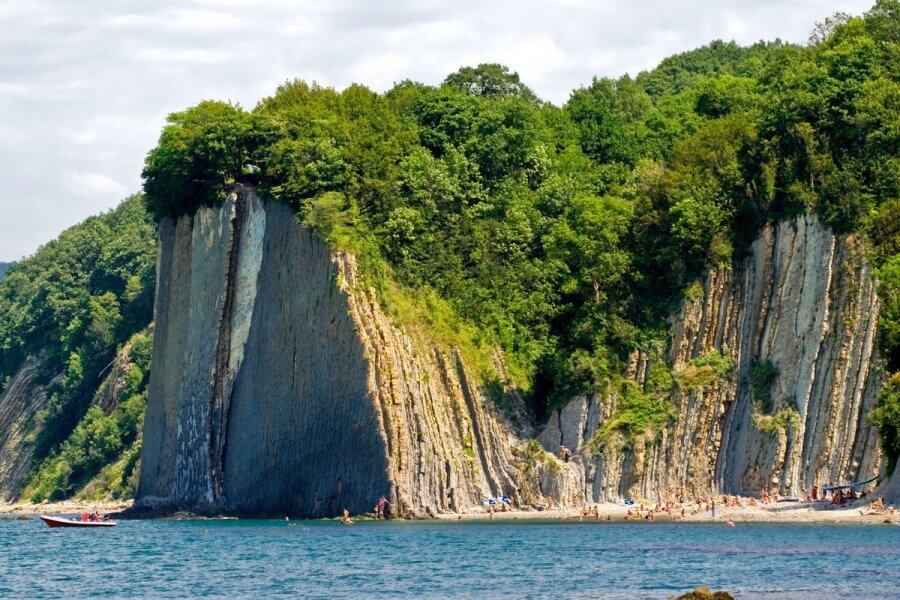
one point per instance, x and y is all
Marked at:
(65, 507)
(774, 512)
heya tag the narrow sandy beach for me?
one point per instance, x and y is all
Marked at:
(783, 512)
(67, 507)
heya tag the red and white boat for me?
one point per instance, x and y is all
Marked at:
(63, 522)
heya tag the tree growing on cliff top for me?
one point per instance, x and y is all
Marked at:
(200, 153)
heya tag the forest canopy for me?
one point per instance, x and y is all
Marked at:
(566, 235)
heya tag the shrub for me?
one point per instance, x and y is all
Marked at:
(761, 377)
(703, 371)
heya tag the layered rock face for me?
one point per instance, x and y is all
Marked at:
(803, 303)
(21, 423)
(21, 401)
(279, 387)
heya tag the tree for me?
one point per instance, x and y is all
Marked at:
(491, 80)
(609, 115)
(200, 153)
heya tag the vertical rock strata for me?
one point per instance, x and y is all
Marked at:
(21, 401)
(803, 301)
(279, 386)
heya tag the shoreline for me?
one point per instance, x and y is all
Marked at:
(776, 513)
(781, 513)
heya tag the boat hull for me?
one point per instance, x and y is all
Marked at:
(63, 522)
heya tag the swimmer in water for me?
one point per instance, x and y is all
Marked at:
(346, 520)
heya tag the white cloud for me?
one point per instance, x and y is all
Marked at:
(91, 185)
(85, 86)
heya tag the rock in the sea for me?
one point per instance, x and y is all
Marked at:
(702, 593)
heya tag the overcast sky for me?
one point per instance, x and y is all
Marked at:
(85, 86)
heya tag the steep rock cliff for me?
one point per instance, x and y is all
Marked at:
(22, 399)
(279, 386)
(803, 302)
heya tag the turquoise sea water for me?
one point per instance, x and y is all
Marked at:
(270, 559)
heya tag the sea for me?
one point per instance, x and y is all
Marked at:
(502, 559)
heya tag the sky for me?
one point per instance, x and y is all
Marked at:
(85, 86)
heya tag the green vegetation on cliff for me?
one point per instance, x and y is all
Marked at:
(4, 267)
(75, 302)
(567, 235)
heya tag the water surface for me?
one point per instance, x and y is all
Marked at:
(215, 558)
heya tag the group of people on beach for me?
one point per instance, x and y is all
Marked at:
(380, 508)
(593, 511)
(876, 507)
(379, 511)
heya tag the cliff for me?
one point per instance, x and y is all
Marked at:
(21, 401)
(26, 418)
(280, 387)
(804, 304)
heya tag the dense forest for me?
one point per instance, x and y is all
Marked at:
(489, 218)
(75, 302)
(566, 235)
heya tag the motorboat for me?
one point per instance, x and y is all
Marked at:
(64, 522)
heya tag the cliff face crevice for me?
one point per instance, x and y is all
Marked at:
(804, 305)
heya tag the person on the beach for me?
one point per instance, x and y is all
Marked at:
(345, 519)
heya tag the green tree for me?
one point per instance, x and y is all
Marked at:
(490, 80)
(200, 153)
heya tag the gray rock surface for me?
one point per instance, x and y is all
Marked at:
(891, 489)
(20, 401)
(805, 301)
(280, 387)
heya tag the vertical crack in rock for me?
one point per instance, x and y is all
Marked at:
(222, 378)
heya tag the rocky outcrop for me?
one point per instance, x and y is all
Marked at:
(279, 387)
(20, 404)
(804, 304)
